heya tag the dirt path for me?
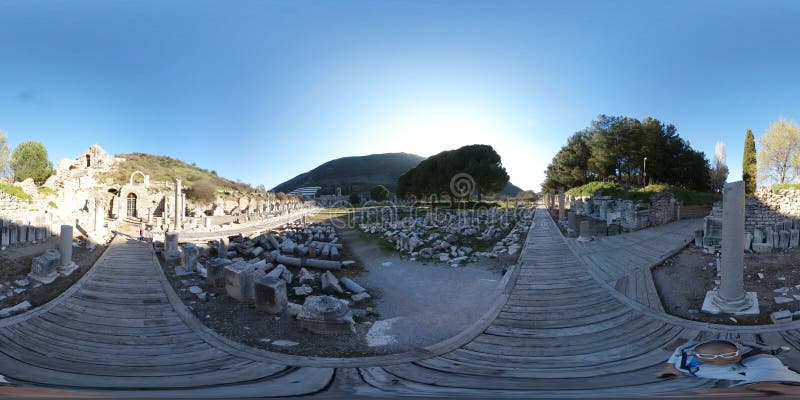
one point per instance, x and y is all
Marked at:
(427, 302)
(684, 279)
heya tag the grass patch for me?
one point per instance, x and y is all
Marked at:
(46, 191)
(52, 204)
(15, 191)
(779, 187)
(685, 196)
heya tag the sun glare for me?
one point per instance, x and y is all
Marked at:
(432, 132)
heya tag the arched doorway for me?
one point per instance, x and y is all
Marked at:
(132, 205)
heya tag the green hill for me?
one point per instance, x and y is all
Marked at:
(163, 168)
(359, 174)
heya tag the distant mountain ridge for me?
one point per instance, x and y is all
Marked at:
(354, 174)
(360, 173)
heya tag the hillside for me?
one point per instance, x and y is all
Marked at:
(510, 189)
(163, 168)
(359, 174)
(354, 174)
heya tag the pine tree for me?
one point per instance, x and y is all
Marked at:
(749, 166)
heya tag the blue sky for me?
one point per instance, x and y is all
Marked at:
(261, 91)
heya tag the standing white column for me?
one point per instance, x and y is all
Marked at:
(731, 297)
(99, 220)
(178, 204)
(65, 244)
(560, 203)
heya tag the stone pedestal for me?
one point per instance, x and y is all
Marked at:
(171, 251)
(572, 223)
(239, 281)
(586, 234)
(44, 267)
(731, 297)
(783, 241)
(698, 238)
(190, 256)
(269, 295)
(748, 241)
(215, 268)
(326, 315)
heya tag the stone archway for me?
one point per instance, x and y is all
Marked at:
(144, 177)
(131, 205)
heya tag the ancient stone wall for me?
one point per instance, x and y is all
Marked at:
(661, 209)
(768, 208)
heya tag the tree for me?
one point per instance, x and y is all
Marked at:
(379, 193)
(719, 172)
(779, 153)
(749, 163)
(355, 198)
(615, 148)
(5, 154)
(570, 165)
(29, 160)
(457, 173)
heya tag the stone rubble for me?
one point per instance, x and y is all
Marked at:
(447, 236)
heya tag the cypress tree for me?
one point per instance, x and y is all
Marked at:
(749, 170)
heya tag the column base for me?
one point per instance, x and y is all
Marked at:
(67, 270)
(714, 305)
(43, 279)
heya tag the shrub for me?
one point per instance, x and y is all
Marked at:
(686, 196)
(52, 204)
(15, 191)
(202, 191)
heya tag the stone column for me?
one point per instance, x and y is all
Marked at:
(99, 230)
(67, 266)
(560, 203)
(183, 204)
(65, 244)
(178, 204)
(731, 297)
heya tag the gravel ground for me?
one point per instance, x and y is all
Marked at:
(15, 264)
(414, 305)
(682, 282)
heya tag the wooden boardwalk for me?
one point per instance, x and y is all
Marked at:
(563, 327)
(625, 260)
(118, 329)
